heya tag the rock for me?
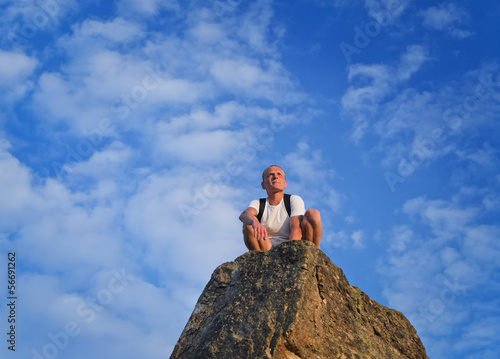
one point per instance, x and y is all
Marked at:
(292, 302)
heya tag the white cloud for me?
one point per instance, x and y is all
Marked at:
(107, 85)
(394, 8)
(224, 116)
(112, 309)
(486, 157)
(358, 239)
(23, 20)
(16, 70)
(446, 17)
(251, 79)
(67, 234)
(439, 278)
(306, 164)
(336, 239)
(373, 84)
(116, 30)
(15, 67)
(103, 81)
(480, 335)
(181, 91)
(77, 237)
(231, 133)
(256, 24)
(208, 32)
(179, 242)
(481, 245)
(414, 127)
(412, 61)
(237, 74)
(147, 7)
(416, 115)
(55, 97)
(107, 163)
(443, 218)
(49, 218)
(17, 179)
(343, 239)
(199, 146)
(401, 236)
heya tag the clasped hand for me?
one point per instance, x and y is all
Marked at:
(259, 231)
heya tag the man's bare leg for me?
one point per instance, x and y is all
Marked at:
(254, 244)
(312, 227)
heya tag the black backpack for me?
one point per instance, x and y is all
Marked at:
(262, 205)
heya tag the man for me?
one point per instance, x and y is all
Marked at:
(275, 225)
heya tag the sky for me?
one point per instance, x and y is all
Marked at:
(134, 132)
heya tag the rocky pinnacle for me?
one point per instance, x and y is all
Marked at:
(292, 302)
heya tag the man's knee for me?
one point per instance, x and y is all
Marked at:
(313, 216)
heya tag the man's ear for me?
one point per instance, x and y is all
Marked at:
(262, 184)
(286, 184)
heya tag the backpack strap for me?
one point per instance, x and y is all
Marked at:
(262, 206)
(287, 205)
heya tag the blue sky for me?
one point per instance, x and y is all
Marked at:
(134, 132)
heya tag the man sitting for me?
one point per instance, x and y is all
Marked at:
(276, 225)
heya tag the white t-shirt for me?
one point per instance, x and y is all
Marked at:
(276, 220)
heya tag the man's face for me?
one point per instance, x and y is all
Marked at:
(274, 178)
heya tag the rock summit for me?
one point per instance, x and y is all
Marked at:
(292, 302)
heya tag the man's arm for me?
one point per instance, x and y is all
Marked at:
(249, 218)
(295, 231)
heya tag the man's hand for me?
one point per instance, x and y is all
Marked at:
(254, 233)
(249, 218)
(259, 231)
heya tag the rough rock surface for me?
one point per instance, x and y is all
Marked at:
(292, 302)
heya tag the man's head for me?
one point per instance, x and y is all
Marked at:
(276, 168)
(274, 179)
